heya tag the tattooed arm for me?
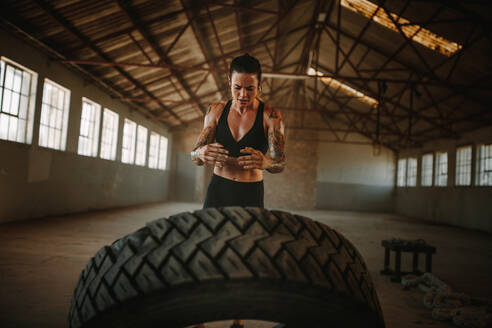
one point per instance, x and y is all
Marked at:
(206, 137)
(275, 161)
(205, 150)
(276, 141)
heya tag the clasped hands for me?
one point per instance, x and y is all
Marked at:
(215, 154)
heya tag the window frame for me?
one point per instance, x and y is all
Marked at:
(141, 147)
(479, 164)
(456, 166)
(114, 137)
(154, 162)
(94, 139)
(400, 172)
(64, 119)
(437, 166)
(159, 166)
(151, 156)
(422, 170)
(414, 177)
(132, 148)
(31, 100)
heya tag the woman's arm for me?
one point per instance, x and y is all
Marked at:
(274, 162)
(205, 150)
(276, 141)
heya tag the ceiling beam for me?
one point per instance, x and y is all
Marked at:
(240, 34)
(53, 54)
(192, 17)
(355, 68)
(217, 37)
(355, 42)
(405, 108)
(241, 8)
(266, 74)
(354, 112)
(422, 75)
(55, 16)
(408, 40)
(280, 17)
(118, 33)
(163, 58)
(142, 50)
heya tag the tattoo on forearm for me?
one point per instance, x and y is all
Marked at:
(207, 136)
(276, 141)
(273, 115)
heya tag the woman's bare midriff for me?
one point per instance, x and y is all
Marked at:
(233, 171)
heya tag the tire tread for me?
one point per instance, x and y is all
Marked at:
(230, 243)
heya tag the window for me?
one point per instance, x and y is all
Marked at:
(109, 138)
(141, 145)
(163, 153)
(17, 96)
(427, 165)
(129, 137)
(463, 166)
(402, 169)
(484, 165)
(412, 172)
(54, 116)
(441, 177)
(157, 151)
(153, 150)
(89, 128)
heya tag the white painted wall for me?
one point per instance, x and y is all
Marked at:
(36, 181)
(463, 206)
(355, 164)
(351, 177)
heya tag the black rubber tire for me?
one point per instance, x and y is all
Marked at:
(226, 263)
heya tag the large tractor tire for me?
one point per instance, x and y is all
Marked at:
(227, 263)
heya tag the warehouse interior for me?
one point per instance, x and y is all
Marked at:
(385, 103)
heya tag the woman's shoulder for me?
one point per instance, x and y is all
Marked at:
(214, 111)
(271, 112)
(216, 108)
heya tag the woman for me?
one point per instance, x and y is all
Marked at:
(235, 139)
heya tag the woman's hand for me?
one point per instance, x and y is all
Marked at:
(214, 154)
(256, 159)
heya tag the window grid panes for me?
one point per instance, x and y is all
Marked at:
(129, 137)
(158, 151)
(412, 172)
(109, 138)
(427, 165)
(89, 128)
(17, 88)
(463, 166)
(484, 176)
(141, 145)
(441, 169)
(163, 153)
(402, 169)
(54, 116)
(153, 150)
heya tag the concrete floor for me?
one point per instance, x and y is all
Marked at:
(40, 260)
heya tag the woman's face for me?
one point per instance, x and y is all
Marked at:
(244, 88)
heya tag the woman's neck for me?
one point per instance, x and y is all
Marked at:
(243, 109)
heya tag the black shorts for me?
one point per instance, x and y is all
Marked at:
(224, 192)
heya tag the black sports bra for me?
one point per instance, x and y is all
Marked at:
(254, 138)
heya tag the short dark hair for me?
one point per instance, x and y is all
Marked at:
(245, 64)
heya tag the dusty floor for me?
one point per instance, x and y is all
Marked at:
(40, 260)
